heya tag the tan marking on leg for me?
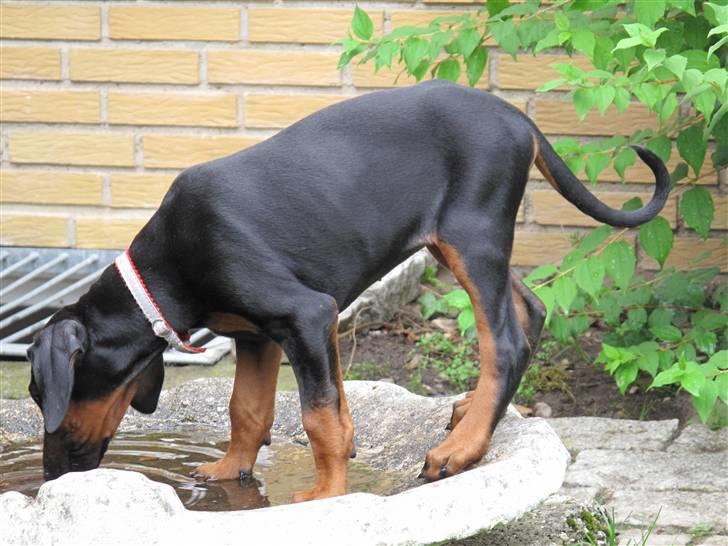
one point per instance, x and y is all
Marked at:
(227, 323)
(331, 433)
(251, 412)
(92, 421)
(520, 304)
(469, 440)
(541, 166)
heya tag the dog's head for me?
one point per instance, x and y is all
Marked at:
(83, 390)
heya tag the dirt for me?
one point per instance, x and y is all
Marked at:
(568, 381)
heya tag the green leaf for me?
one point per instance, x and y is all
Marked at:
(656, 239)
(550, 85)
(620, 262)
(603, 97)
(561, 20)
(696, 208)
(468, 40)
(541, 272)
(432, 305)
(583, 100)
(449, 69)
(475, 64)
(680, 172)
(669, 105)
(362, 24)
(496, 6)
(705, 401)
(625, 375)
(564, 291)
(546, 295)
(624, 159)
(648, 360)
(458, 299)
(414, 49)
(585, 41)
(653, 57)
(621, 99)
(589, 275)
(667, 332)
(692, 147)
(676, 64)
(661, 317)
(705, 103)
(506, 35)
(693, 378)
(667, 377)
(466, 320)
(649, 11)
(593, 239)
(548, 41)
(626, 43)
(595, 165)
(661, 146)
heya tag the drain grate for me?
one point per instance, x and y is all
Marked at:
(35, 283)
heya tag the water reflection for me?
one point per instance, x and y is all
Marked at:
(282, 469)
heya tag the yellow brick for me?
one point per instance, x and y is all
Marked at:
(32, 230)
(30, 63)
(172, 109)
(720, 212)
(551, 208)
(277, 111)
(273, 67)
(555, 117)
(112, 150)
(139, 190)
(50, 22)
(175, 151)
(25, 105)
(107, 233)
(530, 72)
(422, 17)
(135, 65)
(306, 26)
(535, 248)
(685, 250)
(174, 23)
(50, 187)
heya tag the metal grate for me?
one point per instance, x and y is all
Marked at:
(35, 283)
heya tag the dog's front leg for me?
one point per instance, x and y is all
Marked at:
(313, 350)
(251, 408)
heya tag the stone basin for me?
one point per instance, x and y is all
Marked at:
(393, 429)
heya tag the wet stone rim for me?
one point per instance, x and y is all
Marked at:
(394, 429)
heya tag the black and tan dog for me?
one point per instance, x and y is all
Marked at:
(267, 245)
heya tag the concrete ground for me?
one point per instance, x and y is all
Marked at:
(646, 472)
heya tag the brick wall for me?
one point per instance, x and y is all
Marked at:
(103, 103)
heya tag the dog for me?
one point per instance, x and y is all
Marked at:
(268, 244)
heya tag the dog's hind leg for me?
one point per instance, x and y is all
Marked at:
(312, 346)
(251, 407)
(531, 315)
(481, 267)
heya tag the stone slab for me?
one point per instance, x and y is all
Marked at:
(648, 471)
(579, 433)
(677, 509)
(700, 439)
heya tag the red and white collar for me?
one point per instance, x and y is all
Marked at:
(146, 303)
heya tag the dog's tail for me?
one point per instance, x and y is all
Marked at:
(561, 178)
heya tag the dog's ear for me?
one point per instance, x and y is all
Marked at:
(149, 385)
(52, 358)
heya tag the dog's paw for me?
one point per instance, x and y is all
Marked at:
(317, 493)
(449, 458)
(459, 409)
(224, 469)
